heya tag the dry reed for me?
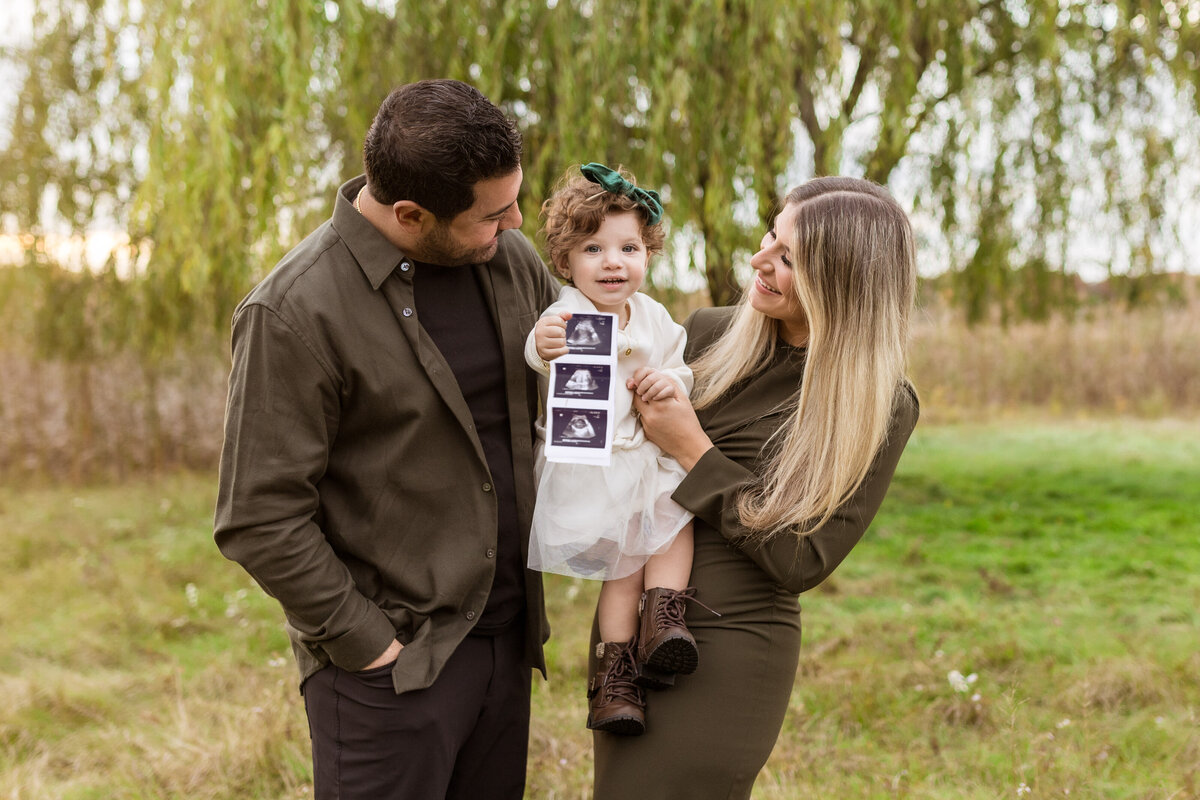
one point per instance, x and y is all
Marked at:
(121, 417)
(1107, 361)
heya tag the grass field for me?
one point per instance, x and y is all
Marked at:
(1021, 621)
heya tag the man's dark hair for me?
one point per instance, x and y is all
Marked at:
(432, 141)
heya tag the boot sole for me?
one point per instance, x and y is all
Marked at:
(650, 678)
(622, 726)
(675, 655)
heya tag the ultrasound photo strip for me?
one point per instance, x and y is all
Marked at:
(580, 407)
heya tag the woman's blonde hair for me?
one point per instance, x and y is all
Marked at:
(854, 274)
(576, 209)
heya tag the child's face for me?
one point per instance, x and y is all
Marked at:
(610, 265)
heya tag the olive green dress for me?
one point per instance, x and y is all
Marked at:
(709, 735)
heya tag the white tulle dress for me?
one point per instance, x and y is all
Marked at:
(605, 522)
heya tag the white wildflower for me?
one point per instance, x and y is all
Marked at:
(1023, 789)
(959, 683)
(1062, 723)
(192, 593)
(233, 603)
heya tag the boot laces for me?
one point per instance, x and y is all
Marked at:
(671, 606)
(619, 684)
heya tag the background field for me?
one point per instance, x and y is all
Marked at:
(1055, 567)
(115, 416)
(1021, 620)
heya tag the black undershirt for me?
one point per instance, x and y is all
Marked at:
(453, 310)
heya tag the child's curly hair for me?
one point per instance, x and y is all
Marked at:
(577, 208)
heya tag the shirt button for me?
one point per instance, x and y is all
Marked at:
(491, 553)
(407, 312)
(405, 266)
(487, 487)
(628, 351)
(470, 615)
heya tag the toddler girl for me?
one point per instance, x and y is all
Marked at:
(617, 523)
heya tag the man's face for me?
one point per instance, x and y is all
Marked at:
(472, 236)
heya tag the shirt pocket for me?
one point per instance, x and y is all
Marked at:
(526, 321)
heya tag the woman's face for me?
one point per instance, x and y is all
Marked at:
(771, 292)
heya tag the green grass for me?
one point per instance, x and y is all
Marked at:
(1059, 564)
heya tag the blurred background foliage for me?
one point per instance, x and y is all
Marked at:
(214, 133)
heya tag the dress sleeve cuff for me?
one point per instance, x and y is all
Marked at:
(535, 361)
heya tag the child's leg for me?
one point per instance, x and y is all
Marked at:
(665, 646)
(615, 703)
(672, 568)
(617, 611)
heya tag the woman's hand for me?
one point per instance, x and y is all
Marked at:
(670, 423)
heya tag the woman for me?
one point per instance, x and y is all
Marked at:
(801, 413)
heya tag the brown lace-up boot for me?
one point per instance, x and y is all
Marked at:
(615, 703)
(665, 646)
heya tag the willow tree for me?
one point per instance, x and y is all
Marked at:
(214, 132)
(192, 129)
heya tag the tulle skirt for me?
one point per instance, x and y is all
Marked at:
(605, 522)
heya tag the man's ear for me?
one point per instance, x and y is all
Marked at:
(413, 219)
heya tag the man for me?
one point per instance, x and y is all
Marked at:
(377, 473)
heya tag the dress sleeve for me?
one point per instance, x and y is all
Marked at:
(281, 418)
(797, 563)
(536, 362)
(674, 339)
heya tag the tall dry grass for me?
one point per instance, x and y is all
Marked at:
(120, 416)
(1103, 361)
(109, 419)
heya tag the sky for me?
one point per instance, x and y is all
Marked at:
(16, 26)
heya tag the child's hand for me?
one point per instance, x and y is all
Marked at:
(650, 384)
(550, 336)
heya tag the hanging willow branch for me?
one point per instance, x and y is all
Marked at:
(213, 133)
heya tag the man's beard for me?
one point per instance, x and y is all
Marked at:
(440, 248)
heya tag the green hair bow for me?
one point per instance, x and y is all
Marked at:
(611, 181)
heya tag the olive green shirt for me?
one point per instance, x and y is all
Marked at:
(353, 485)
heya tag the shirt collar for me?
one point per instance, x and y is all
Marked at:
(376, 256)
